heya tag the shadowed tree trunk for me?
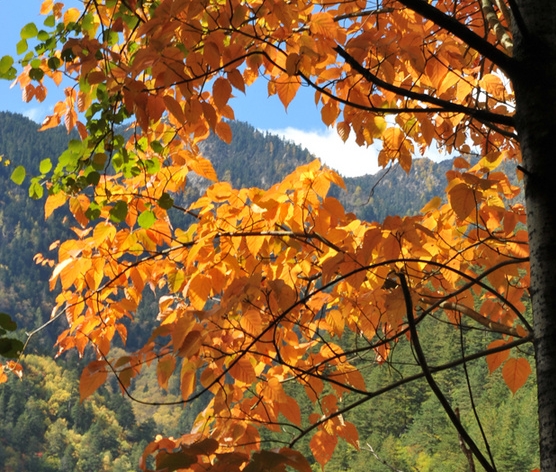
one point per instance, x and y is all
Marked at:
(535, 89)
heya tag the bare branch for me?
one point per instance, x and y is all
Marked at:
(432, 383)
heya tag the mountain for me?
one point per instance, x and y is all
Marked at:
(252, 159)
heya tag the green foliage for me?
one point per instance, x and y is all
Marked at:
(45, 427)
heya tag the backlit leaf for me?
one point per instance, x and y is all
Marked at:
(322, 446)
(92, 377)
(463, 200)
(515, 372)
(286, 88)
(146, 219)
(18, 175)
(497, 359)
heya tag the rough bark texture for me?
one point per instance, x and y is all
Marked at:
(535, 88)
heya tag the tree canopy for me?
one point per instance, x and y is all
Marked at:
(265, 295)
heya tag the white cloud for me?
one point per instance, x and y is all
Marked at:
(36, 114)
(349, 159)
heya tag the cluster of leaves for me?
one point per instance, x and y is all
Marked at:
(255, 291)
(258, 290)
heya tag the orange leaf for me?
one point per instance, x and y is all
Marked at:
(175, 108)
(54, 201)
(221, 92)
(203, 167)
(243, 371)
(497, 359)
(290, 409)
(188, 372)
(463, 200)
(165, 369)
(322, 446)
(349, 432)
(92, 377)
(224, 132)
(287, 87)
(323, 24)
(199, 291)
(515, 372)
(461, 163)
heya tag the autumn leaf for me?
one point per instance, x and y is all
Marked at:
(515, 372)
(92, 377)
(286, 88)
(463, 200)
(322, 446)
(497, 359)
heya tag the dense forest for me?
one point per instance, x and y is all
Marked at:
(45, 427)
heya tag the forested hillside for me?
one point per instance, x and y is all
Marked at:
(45, 428)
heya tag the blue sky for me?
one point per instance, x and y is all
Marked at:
(300, 123)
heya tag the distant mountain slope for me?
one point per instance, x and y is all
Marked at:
(252, 159)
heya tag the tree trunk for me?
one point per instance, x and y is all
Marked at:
(535, 88)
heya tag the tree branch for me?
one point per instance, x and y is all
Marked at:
(483, 47)
(432, 383)
(481, 115)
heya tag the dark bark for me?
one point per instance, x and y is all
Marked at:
(535, 87)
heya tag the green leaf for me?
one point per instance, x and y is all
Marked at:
(118, 212)
(93, 178)
(165, 201)
(29, 31)
(18, 175)
(146, 219)
(157, 147)
(153, 166)
(5, 63)
(36, 74)
(43, 35)
(45, 166)
(50, 21)
(10, 347)
(36, 190)
(54, 63)
(93, 212)
(21, 47)
(7, 323)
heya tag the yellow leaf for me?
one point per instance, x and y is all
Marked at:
(71, 15)
(432, 205)
(46, 7)
(54, 201)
